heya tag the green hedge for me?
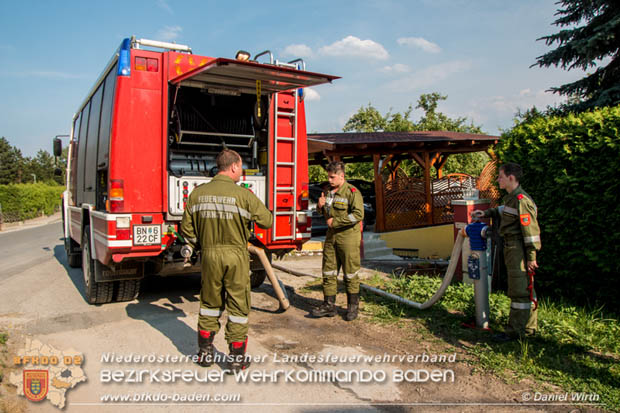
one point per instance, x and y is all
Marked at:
(571, 166)
(25, 201)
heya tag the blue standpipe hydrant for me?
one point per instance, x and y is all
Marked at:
(478, 270)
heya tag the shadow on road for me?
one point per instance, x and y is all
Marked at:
(159, 304)
(75, 274)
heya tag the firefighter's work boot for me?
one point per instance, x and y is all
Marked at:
(353, 304)
(206, 351)
(238, 360)
(327, 309)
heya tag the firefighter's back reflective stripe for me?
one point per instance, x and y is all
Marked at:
(210, 206)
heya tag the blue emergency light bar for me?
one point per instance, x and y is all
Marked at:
(124, 58)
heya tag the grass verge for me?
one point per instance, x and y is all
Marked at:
(576, 350)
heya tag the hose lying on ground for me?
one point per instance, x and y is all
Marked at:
(447, 279)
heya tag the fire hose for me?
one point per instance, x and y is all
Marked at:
(447, 279)
(277, 285)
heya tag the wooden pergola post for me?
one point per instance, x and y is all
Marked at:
(427, 188)
(439, 165)
(379, 207)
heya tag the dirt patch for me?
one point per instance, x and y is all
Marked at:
(295, 333)
(10, 402)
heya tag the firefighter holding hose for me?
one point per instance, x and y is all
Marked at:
(343, 208)
(216, 220)
(519, 228)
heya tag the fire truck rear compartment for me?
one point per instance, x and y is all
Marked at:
(202, 123)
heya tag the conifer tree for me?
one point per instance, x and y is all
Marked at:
(590, 36)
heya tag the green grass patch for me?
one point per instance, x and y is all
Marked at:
(575, 349)
(4, 337)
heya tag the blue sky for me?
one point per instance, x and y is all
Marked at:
(477, 52)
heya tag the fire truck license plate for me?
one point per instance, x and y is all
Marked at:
(146, 234)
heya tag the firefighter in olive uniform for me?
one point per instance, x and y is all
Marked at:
(343, 208)
(519, 228)
(216, 221)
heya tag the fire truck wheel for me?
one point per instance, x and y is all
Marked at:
(73, 258)
(257, 277)
(72, 249)
(128, 290)
(95, 292)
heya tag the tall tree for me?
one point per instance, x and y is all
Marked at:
(594, 36)
(42, 165)
(11, 163)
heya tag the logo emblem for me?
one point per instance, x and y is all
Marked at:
(525, 219)
(35, 384)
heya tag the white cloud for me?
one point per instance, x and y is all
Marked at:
(396, 68)
(524, 100)
(297, 50)
(311, 94)
(169, 33)
(163, 4)
(428, 76)
(352, 46)
(420, 43)
(493, 111)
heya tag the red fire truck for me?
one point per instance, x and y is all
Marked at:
(148, 133)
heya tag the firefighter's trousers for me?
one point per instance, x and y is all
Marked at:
(341, 250)
(523, 318)
(225, 284)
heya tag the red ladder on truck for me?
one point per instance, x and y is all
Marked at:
(285, 165)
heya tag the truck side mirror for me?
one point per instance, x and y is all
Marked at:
(57, 147)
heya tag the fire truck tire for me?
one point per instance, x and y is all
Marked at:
(127, 290)
(74, 259)
(74, 256)
(257, 277)
(95, 292)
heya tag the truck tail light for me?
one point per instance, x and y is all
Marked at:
(152, 65)
(117, 195)
(303, 201)
(122, 234)
(140, 63)
(146, 64)
(122, 227)
(302, 218)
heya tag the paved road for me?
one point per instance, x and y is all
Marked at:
(20, 250)
(42, 300)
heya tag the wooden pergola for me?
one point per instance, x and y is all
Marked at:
(389, 149)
